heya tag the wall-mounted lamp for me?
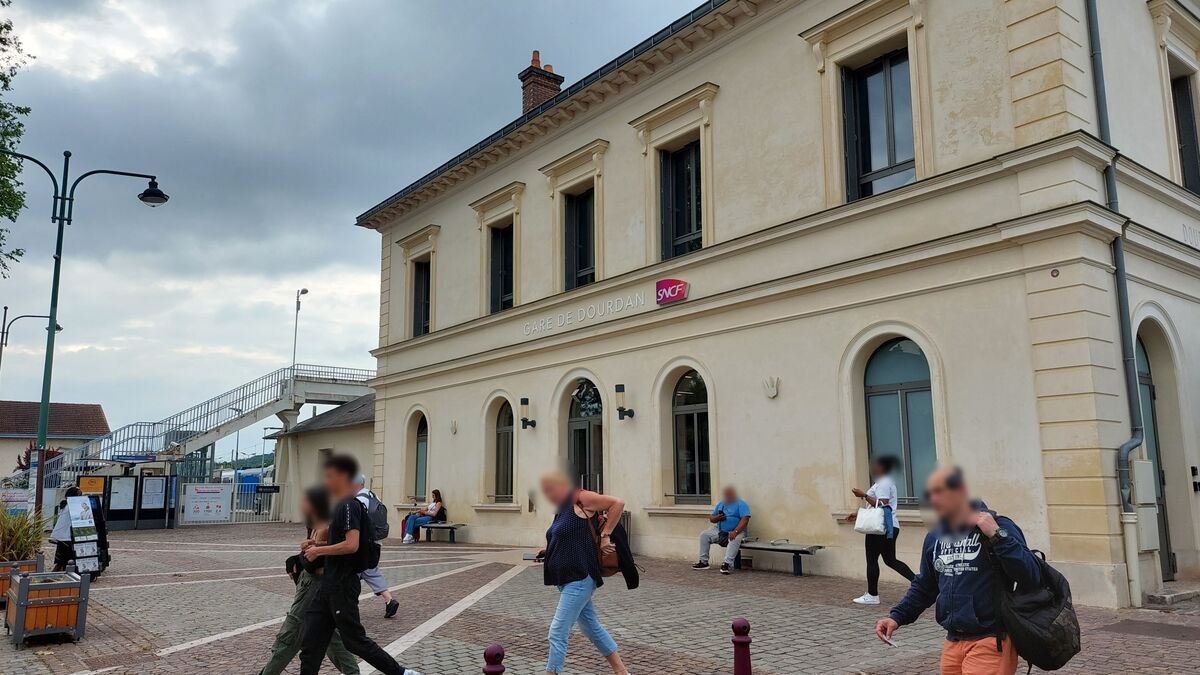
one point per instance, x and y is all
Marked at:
(526, 423)
(622, 411)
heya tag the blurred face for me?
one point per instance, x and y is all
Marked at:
(336, 482)
(947, 502)
(555, 490)
(729, 495)
(878, 470)
(307, 510)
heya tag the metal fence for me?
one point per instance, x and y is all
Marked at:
(239, 503)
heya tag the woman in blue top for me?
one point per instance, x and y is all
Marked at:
(572, 564)
(883, 493)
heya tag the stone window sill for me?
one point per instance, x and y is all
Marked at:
(906, 516)
(685, 511)
(497, 508)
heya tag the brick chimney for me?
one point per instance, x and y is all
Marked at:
(538, 84)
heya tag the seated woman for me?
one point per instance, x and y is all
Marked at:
(433, 512)
(315, 508)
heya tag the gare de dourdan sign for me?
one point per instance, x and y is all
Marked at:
(666, 291)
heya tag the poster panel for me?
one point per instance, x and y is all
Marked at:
(154, 492)
(91, 485)
(207, 503)
(122, 493)
(83, 523)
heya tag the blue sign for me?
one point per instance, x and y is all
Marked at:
(134, 459)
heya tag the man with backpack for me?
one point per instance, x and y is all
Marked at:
(350, 551)
(378, 518)
(966, 561)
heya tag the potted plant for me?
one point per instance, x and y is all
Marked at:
(20, 545)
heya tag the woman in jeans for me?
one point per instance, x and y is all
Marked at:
(572, 564)
(414, 522)
(883, 494)
(315, 508)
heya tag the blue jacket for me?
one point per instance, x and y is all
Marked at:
(958, 574)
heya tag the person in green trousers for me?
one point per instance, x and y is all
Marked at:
(315, 507)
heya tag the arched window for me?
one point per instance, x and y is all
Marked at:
(421, 464)
(504, 454)
(689, 413)
(585, 436)
(900, 414)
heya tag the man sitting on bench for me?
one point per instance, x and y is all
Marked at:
(730, 519)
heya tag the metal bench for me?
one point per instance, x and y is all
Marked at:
(779, 546)
(449, 528)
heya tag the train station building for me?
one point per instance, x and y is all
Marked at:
(780, 237)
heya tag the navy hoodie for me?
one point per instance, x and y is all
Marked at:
(958, 574)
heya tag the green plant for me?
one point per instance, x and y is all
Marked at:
(20, 535)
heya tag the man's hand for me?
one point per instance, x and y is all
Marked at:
(858, 493)
(985, 522)
(886, 628)
(307, 544)
(312, 553)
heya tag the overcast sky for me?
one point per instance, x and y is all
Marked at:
(271, 124)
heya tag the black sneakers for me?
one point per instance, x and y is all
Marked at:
(701, 565)
(391, 609)
(725, 568)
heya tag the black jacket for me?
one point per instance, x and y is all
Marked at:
(629, 568)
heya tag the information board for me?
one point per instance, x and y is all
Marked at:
(84, 535)
(154, 492)
(207, 503)
(122, 493)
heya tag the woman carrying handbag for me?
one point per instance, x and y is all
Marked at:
(575, 547)
(881, 497)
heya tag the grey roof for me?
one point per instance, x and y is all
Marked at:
(359, 411)
(642, 47)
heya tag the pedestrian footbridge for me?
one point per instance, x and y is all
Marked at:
(280, 393)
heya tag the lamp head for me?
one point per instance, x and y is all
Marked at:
(152, 196)
(303, 291)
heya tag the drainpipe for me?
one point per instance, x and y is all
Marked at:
(1128, 514)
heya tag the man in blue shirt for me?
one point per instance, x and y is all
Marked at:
(730, 518)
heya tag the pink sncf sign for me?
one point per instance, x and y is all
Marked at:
(667, 291)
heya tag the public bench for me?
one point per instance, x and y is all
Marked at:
(779, 546)
(449, 528)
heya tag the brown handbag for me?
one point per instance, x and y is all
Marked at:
(610, 564)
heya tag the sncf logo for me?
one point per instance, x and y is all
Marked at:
(667, 291)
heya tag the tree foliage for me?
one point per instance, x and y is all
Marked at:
(12, 127)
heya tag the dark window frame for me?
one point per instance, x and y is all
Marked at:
(1187, 138)
(501, 257)
(900, 390)
(681, 220)
(858, 180)
(697, 415)
(505, 455)
(421, 465)
(422, 293)
(579, 241)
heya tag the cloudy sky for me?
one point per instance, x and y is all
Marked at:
(272, 124)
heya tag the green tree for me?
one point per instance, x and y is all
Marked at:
(12, 197)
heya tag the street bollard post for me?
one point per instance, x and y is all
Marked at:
(741, 647)
(493, 656)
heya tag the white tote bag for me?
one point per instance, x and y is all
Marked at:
(870, 520)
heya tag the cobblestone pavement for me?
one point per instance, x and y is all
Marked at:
(209, 600)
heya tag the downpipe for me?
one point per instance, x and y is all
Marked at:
(1132, 395)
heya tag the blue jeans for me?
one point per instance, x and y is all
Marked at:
(415, 522)
(575, 605)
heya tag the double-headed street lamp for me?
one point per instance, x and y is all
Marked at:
(6, 328)
(61, 211)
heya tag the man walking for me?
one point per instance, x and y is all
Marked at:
(730, 519)
(958, 572)
(349, 552)
(373, 577)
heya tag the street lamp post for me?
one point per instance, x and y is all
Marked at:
(296, 328)
(6, 328)
(61, 212)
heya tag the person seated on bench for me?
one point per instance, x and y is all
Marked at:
(730, 519)
(432, 513)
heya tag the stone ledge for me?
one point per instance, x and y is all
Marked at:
(498, 508)
(905, 516)
(678, 511)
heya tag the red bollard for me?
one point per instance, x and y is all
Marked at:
(741, 647)
(493, 656)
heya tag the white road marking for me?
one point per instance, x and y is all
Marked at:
(253, 569)
(387, 548)
(95, 589)
(167, 651)
(443, 617)
(281, 549)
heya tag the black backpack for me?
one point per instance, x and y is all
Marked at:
(1041, 621)
(377, 515)
(369, 550)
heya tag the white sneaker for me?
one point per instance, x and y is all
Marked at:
(867, 599)
(408, 540)
(410, 672)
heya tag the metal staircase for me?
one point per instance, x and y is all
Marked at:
(190, 430)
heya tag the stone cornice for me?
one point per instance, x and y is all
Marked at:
(666, 51)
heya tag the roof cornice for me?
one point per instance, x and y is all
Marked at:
(683, 38)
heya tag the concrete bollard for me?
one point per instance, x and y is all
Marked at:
(741, 647)
(493, 656)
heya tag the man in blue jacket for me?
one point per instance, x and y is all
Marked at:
(959, 574)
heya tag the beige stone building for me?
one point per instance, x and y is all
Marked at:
(780, 236)
(348, 429)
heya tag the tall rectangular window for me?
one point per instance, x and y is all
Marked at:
(879, 126)
(680, 200)
(580, 253)
(1185, 131)
(501, 272)
(420, 297)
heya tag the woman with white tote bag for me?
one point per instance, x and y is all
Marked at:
(881, 500)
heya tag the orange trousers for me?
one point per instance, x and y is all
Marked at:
(978, 657)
